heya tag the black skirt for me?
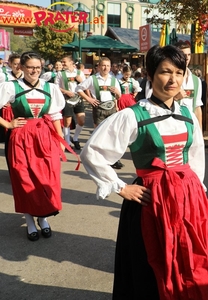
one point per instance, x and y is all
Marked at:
(134, 279)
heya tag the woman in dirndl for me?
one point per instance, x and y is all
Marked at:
(129, 89)
(162, 242)
(34, 147)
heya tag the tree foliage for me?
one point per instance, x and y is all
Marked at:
(48, 42)
(184, 12)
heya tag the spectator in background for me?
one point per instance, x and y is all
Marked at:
(198, 73)
(138, 77)
(135, 68)
(51, 75)
(49, 67)
(95, 69)
(191, 89)
(115, 71)
(43, 66)
(146, 87)
(80, 66)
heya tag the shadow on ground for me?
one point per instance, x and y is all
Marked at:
(25, 291)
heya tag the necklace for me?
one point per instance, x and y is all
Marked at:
(162, 104)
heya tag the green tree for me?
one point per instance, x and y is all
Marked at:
(48, 42)
(17, 44)
(184, 12)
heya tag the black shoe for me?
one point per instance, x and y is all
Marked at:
(120, 164)
(76, 145)
(116, 166)
(46, 232)
(34, 236)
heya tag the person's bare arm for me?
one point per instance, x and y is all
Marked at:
(18, 122)
(58, 129)
(92, 101)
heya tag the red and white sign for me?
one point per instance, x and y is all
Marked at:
(23, 31)
(145, 38)
(15, 15)
(3, 39)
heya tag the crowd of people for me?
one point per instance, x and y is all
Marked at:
(161, 250)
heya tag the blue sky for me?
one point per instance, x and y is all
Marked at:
(43, 3)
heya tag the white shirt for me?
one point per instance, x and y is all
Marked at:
(108, 144)
(8, 75)
(47, 76)
(7, 92)
(71, 84)
(189, 85)
(88, 85)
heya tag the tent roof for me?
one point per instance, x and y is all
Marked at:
(131, 36)
(100, 43)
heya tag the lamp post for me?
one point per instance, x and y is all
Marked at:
(79, 9)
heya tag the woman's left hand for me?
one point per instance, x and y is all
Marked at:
(136, 193)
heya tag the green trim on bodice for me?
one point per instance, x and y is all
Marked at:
(21, 107)
(149, 143)
(123, 87)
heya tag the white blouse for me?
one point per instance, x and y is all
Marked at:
(7, 92)
(120, 130)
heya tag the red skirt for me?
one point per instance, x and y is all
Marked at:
(126, 100)
(34, 161)
(175, 231)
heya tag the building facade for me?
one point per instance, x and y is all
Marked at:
(114, 13)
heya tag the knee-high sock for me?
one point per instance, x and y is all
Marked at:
(43, 223)
(78, 129)
(30, 223)
(66, 131)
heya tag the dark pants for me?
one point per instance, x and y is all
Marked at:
(100, 114)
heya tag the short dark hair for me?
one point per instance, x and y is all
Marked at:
(157, 54)
(182, 45)
(13, 56)
(126, 68)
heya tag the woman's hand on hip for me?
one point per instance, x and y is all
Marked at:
(136, 193)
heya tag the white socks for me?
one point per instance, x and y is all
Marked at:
(77, 132)
(43, 223)
(66, 132)
(30, 223)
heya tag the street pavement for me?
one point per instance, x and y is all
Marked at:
(77, 262)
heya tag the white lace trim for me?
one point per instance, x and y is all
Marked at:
(106, 189)
(56, 116)
(157, 110)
